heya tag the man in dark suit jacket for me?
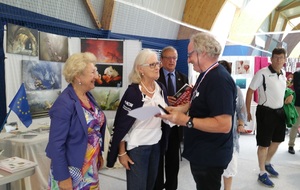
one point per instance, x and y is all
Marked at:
(170, 161)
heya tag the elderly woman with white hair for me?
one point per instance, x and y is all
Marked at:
(138, 143)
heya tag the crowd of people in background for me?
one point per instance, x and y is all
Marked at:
(208, 124)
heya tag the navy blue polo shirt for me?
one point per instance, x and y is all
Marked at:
(216, 96)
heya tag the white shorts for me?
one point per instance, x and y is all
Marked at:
(231, 169)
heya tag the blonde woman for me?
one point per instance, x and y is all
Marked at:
(77, 129)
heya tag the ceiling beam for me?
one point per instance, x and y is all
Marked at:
(108, 11)
(291, 40)
(297, 27)
(284, 24)
(199, 13)
(92, 13)
(294, 16)
(289, 6)
(274, 21)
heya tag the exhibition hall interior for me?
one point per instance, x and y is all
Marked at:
(39, 36)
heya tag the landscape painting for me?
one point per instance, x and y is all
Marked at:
(40, 102)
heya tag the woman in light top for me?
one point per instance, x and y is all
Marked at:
(138, 143)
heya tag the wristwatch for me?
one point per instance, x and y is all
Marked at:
(190, 123)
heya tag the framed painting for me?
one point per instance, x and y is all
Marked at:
(22, 40)
(242, 67)
(41, 75)
(40, 102)
(241, 83)
(106, 51)
(107, 99)
(53, 47)
(109, 75)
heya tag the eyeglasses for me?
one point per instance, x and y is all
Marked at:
(152, 65)
(280, 57)
(190, 53)
(169, 58)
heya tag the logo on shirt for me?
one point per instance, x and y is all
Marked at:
(128, 104)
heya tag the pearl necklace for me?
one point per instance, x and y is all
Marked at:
(147, 88)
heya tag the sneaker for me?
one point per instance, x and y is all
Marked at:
(291, 150)
(264, 179)
(271, 170)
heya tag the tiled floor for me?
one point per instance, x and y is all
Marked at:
(286, 164)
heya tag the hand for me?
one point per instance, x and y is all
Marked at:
(175, 116)
(241, 129)
(171, 100)
(288, 99)
(249, 117)
(65, 184)
(125, 160)
(101, 161)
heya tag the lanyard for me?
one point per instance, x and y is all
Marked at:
(195, 92)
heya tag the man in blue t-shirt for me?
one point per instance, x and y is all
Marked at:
(208, 143)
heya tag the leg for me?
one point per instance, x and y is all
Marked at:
(263, 176)
(292, 135)
(159, 183)
(227, 183)
(262, 156)
(207, 179)
(294, 130)
(172, 160)
(271, 151)
(230, 171)
(137, 175)
(153, 166)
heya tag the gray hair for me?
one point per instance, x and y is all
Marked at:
(204, 42)
(141, 58)
(167, 49)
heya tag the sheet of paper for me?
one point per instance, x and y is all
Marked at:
(144, 113)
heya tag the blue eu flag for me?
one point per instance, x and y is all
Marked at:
(21, 107)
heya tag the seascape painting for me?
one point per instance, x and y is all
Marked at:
(241, 83)
(41, 75)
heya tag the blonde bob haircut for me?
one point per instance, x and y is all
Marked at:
(76, 64)
(142, 58)
(204, 42)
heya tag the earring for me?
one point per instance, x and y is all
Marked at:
(142, 74)
(79, 83)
